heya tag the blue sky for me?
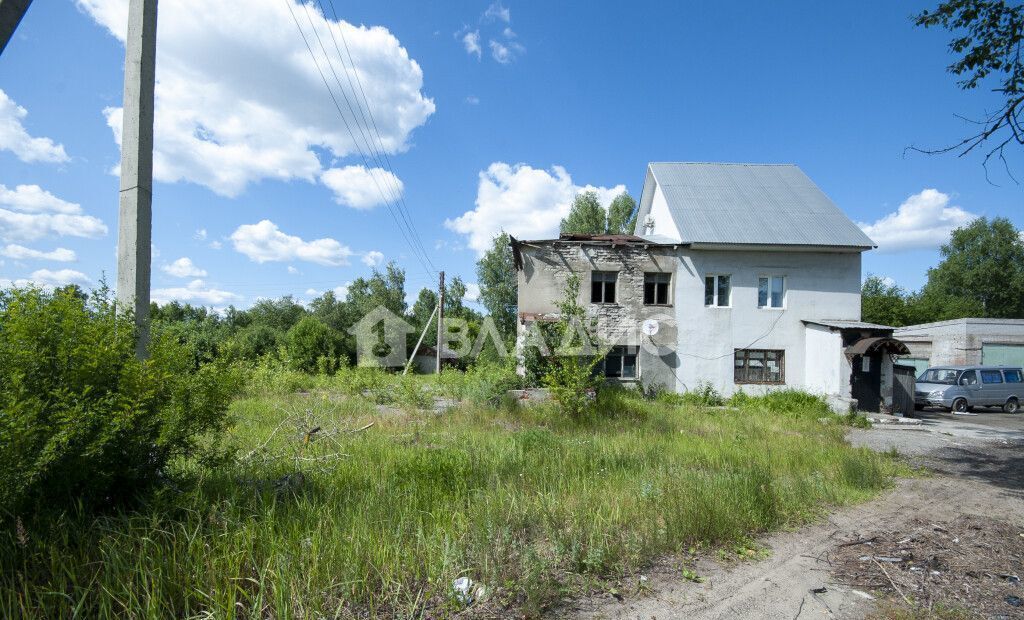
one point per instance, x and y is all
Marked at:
(490, 115)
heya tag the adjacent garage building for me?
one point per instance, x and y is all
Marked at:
(992, 342)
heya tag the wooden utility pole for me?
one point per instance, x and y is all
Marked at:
(135, 218)
(11, 12)
(440, 321)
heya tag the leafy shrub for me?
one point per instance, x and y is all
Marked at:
(83, 420)
(570, 372)
(254, 342)
(704, 395)
(487, 384)
(311, 346)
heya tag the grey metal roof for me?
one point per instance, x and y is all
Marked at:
(753, 204)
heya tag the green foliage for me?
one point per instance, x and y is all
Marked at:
(570, 371)
(84, 422)
(704, 395)
(981, 275)
(586, 217)
(496, 275)
(381, 289)
(622, 215)
(386, 518)
(311, 346)
(983, 263)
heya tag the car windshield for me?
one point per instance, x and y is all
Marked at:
(938, 375)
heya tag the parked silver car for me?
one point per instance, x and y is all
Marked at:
(961, 388)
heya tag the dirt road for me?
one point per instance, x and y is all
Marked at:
(979, 470)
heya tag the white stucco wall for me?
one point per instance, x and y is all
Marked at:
(823, 358)
(819, 285)
(664, 224)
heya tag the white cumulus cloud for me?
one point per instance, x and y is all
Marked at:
(498, 11)
(505, 53)
(264, 242)
(240, 99)
(523, 201)
(924, 220)
(471, 41)
(373, 258)
(20, 252)
(362, 188)
(195, 292)
(47, 279)
(184, 268)
(14, 137)
(29, 212)
(472, 292)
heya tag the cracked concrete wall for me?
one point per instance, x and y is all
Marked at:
(546, 270)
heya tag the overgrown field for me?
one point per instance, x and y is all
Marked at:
(357, 497)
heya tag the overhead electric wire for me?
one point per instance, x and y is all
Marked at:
(351, 67)
(423, 259)
(412, 238)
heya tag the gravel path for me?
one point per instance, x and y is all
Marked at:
(979, 470)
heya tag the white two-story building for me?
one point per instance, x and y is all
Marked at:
(742, 276)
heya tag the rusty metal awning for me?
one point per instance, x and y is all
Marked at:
(887, 344)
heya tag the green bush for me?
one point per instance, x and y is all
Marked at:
(488, 383)
(704, 395)
(311, 346)
(85, 422)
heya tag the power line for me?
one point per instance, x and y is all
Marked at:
(369, 110)
(348, 128)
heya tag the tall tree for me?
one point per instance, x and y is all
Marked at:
(621, 217)
(381, 289)
(987, 37)
(983, 263)
(496, 275)
(883, 302)
(586, 217)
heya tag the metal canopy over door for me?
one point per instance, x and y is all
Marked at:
(866, 384)
(1002, 355)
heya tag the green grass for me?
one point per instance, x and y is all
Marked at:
(518, 499)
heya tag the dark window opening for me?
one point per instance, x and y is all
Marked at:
(602, 287)
(656, 289)
(620, 363)
(759, 366)
(1013, 376)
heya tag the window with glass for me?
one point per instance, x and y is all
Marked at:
(620, 363)
(969, 378)
(602, 287)
(717, 290)
(1013, 376)
(771, 291)
(656, 287)
(991, 376)
(759, 366)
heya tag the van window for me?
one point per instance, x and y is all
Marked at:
(1013, 376)
(938, 375)
(991, 376)
(969, 378)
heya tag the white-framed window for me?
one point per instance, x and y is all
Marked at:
(602, 287)
(718, 290)
(771, 291)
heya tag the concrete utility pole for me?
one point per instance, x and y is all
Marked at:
(440, 321)
(135, 219)
(11, 12)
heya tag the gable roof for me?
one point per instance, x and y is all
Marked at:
(749, 204)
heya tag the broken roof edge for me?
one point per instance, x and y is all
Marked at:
(846, 324)
(581, 240)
